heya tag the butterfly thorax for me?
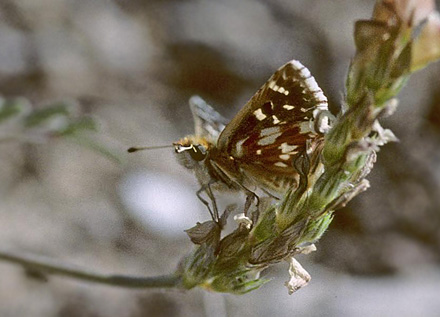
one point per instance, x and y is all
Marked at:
(210, 165)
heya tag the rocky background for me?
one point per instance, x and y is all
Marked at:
(133, 65)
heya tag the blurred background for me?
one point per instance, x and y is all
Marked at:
(133, 64)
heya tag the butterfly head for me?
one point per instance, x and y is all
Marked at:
(191, 151)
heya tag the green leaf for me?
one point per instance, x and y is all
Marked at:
(13, 107)
(79, 125)
(41, 116)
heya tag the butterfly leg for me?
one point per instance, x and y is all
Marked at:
(213, 201)
(250, 197)
(208, 191)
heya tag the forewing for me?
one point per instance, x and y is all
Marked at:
(208, 122)
(276, 124)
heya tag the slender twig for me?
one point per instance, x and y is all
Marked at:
(47, 265)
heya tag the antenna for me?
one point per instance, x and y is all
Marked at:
(143, 148)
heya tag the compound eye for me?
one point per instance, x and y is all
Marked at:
(198, 153)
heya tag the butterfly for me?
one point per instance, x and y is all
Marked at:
(287, 117)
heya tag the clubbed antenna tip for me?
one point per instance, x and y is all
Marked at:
(135, 149)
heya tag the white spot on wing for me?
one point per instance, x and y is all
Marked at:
(259, 114)
(269, 131)
(258, 152)
(284, 156)
(306, 127)
(271, 84)
(239, 147)
(308, 109)
(281, 90)
(286, 92)
(288, 107)
(275, 119)
(280, 164)
(270, 139)
(286, 148)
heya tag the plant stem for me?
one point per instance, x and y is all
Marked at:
(47, 265)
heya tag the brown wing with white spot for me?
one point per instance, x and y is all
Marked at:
(275, 125)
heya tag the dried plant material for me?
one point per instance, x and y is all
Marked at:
(299, 277)
(410, 12)
(427, 44)
(242, 220)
